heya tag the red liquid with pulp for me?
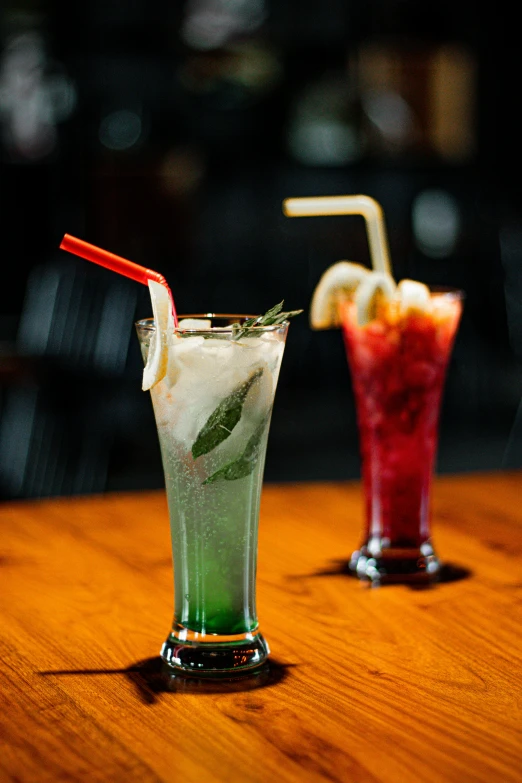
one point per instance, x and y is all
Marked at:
(398, 366)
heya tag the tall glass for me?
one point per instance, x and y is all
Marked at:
(212, 412)
(398, 365)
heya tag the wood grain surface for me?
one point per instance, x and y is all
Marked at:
(382, 685)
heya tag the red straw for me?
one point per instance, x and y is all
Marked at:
(118, 264)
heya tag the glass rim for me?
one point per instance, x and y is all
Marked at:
(435, 290)
(147, 324)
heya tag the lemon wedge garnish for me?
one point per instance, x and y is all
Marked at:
(372, 288)
(339, 280)
(158, 356)
(413, 295)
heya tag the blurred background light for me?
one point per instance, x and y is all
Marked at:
(436, 222)
(210, 24)
(35, 95)
(120, 130)
(322, 142)
(322, 129)
(390, 114)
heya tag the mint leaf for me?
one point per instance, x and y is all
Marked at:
(273, 316)
(268, 316)
(222, 421)
(243, 465)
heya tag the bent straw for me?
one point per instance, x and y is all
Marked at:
(366, 206)
(116, 263)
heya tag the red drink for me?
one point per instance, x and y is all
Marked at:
(398, 365)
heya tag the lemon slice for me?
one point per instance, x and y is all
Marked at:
(374, 286)
(339, 280)
(158, 356)
(413, 295)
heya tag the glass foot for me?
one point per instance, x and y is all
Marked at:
(213, 655)
(385, 564)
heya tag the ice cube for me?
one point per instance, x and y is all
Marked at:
(195, 323)
(182, 353)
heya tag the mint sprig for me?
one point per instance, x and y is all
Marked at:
(222, 421)
(243, 465)
(275, 315)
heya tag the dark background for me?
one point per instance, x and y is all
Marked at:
(170, 133)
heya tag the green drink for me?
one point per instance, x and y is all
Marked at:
(212, 410)
(212, 381)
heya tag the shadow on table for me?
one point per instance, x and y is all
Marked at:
(449, 572)
(152, 677)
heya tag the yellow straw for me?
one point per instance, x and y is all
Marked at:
(366, 206)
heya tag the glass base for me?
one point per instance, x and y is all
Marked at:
(212, 655)
(380, 563)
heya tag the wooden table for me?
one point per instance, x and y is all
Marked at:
(367, 685)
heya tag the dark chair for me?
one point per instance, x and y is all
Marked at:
(59, 405)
